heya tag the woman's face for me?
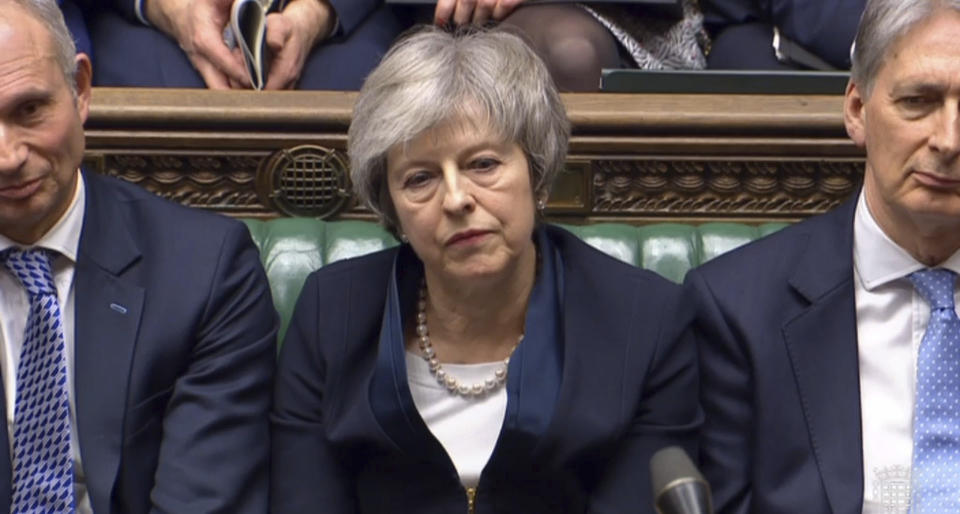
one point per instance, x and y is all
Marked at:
(464, 200)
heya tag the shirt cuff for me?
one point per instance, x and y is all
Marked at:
(140, 12)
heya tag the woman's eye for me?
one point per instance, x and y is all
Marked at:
(484, 164)
(417, 179)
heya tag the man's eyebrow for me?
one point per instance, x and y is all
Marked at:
(33, 94)
(918, 87)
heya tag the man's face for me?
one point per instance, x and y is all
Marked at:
(910, 127)
(41, 127)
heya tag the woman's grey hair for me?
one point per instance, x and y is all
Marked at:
(431, 77)
(883, 23)
(48, 13)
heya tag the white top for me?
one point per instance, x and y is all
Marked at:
(891, 320)
(467, 429)
(63, 237)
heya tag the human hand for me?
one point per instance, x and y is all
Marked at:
(477, 12)
(291, 34)
(197, 26)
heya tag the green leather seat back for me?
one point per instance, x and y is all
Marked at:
(291, 248)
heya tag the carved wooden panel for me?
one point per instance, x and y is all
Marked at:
(634, 158)
(223, 183)
(722, 188)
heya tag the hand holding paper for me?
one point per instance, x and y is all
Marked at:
(290, 36)
(197, 26)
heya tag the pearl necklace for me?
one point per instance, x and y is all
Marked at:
(445, 379)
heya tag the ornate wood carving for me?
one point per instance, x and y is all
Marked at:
(634, 158)
(223, 183)
(722, 188)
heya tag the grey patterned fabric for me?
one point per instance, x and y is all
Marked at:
(656, 42)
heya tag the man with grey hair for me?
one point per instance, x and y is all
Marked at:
(830, 351)
(136, 336)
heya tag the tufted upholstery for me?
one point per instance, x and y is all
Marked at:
(291, 248)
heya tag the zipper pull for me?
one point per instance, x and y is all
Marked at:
(471, 499)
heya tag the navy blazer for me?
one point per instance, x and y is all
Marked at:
(627, 387)
(174, 337)
(777, 331)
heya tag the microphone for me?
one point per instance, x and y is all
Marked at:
(678, 487)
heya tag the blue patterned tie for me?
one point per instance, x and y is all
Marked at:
(42, 462)
(936, 424)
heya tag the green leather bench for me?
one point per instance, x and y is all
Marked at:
(291, 248)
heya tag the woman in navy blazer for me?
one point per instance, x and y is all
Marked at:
(490, 363)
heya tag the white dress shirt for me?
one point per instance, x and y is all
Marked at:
(467, 428)
(64, 238)
(891, 320)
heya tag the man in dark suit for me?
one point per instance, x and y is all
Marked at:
(136, 336)
(313, 44)
(829, 379)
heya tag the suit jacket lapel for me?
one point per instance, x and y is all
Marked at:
(390, 398)
(822, 344)
(108, 312)
(6, 467)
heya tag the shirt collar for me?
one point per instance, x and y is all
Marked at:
(877, 259)
(64, 236)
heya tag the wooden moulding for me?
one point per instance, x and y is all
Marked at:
(633, 158)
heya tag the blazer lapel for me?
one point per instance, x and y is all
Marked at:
(390, 398)
(107, 317)
(822, 344)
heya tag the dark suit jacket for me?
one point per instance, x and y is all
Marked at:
(174, 352)
(777, 331)
(348, 439)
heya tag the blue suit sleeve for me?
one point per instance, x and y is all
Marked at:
(726, 395)
(667, 413)
(306, 475)
(214, 453)
(350, 13)
(132, 10)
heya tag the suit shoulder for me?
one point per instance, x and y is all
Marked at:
(373, 267)
(778, 250)
(152, 209)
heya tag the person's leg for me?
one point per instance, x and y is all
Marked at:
(130, 54)
(745, 46)
(572, 43)
(343, 64)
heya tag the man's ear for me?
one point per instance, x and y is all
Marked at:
(854, 114)
(83, 81)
